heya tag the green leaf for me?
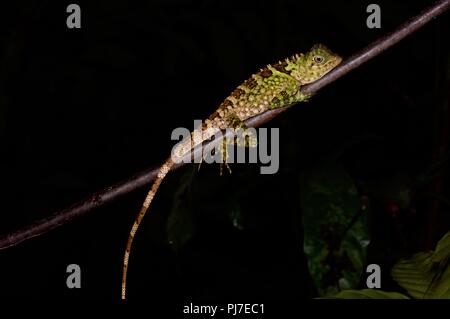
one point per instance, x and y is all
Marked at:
(426, 275)
(369, 294)
(336, 234)
(442, 249)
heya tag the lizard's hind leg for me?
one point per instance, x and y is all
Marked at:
(244, 137)
(200, 164)
(224, 156)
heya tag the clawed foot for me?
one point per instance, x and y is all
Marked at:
(221, 168)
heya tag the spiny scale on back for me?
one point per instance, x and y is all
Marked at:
(274, 86)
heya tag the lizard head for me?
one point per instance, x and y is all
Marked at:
(311, 66)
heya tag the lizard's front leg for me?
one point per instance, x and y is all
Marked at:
(288, 97)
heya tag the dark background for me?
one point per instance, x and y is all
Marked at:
(81, 109)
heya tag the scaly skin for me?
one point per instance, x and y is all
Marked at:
(274, 86)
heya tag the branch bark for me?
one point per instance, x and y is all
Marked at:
(141, 179)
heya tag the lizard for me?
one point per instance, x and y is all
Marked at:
(274, 86)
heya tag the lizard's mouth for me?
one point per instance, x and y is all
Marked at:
(332, 64)
(336, 62)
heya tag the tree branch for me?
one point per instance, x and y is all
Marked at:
(141, 179)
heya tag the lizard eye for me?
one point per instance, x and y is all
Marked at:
(318, 59)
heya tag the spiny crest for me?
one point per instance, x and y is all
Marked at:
(317, 62)
(320, 49)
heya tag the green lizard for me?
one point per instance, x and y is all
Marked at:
(274, 86)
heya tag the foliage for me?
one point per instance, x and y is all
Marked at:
(369, 294)
(426, 274)
(336, 233)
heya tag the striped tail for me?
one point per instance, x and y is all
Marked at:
(163, 170)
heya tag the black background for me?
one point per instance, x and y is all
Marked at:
(83, 108)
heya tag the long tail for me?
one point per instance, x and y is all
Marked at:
(163, 170)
